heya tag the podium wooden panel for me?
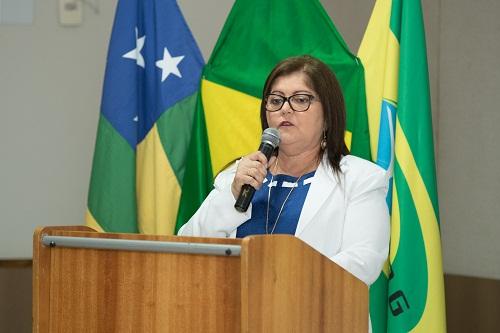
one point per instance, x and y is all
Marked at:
(277, 284)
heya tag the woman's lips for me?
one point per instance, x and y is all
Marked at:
(285, 123)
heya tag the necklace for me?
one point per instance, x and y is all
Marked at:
(284, 202)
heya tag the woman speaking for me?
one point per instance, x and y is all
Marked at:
(311, 187)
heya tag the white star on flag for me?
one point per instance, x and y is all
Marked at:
(168, 65)
(135, 54)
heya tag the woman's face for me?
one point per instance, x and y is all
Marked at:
(301, 130)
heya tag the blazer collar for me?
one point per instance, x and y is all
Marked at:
(323, 184)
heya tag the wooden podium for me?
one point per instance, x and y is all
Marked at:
(84, 281)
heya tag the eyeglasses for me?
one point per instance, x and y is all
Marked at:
(298, 102)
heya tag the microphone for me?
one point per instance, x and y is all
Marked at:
(270, 141)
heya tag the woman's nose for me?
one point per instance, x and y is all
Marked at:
(286, 108)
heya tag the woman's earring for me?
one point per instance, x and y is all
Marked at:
(323, 142)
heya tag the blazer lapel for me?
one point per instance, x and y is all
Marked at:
(322, 185)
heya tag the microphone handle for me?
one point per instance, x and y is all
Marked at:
(247, 191)
(244, 199)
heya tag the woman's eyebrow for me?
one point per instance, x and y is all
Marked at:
(293, 93)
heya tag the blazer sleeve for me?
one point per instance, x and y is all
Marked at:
(217, 216)
(365, 239)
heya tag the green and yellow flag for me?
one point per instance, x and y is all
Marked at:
(409, 295)
(256, 36)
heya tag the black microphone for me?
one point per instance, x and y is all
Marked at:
(270, 140)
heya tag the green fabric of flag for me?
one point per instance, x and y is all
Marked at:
(410, 296)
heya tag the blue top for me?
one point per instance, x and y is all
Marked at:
(280, 188)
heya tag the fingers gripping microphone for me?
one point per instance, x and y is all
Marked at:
(270, 140)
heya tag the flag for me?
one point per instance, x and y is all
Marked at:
(256, 36)
(409, 296)
(149, 97)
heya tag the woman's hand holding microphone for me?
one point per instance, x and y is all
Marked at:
(252, 170)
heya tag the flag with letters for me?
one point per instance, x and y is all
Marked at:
(256, 36)
(148, 103)
(409, 295)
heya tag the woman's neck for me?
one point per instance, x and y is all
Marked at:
(296, 164)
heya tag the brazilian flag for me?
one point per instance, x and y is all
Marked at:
(256, 36)
(409, 295)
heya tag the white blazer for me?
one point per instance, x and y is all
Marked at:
(344, 217)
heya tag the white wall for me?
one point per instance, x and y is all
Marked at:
(469, 137)
(50, 90)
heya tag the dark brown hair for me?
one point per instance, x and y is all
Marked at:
(322, 80)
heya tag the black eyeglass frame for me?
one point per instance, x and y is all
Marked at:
(312, 98)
